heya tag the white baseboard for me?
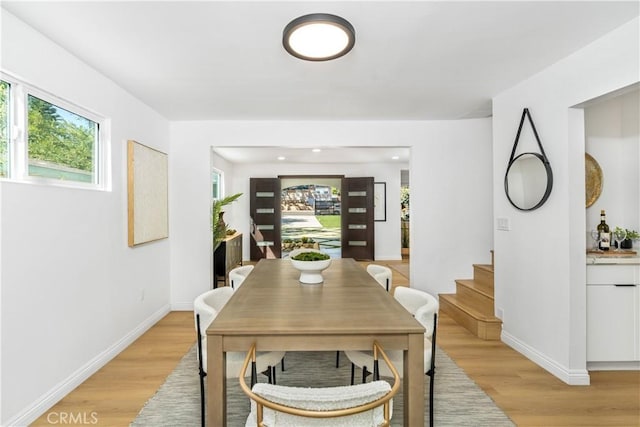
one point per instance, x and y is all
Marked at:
(388, 258)
(569, 376)
(53, 396)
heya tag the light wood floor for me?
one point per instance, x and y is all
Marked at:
(525, 392)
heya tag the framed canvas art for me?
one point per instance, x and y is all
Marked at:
(147, 188)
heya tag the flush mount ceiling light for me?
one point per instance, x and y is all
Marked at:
(318, 37)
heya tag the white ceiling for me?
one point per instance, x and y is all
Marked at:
(414, 60)
(306, 155)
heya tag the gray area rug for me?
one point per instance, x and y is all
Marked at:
(458, 400)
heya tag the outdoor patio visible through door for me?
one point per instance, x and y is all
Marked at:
(309, 211)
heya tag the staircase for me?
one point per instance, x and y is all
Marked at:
(472, 306)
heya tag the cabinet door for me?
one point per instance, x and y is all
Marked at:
(613, 330)
(220, 264)
(235, 251)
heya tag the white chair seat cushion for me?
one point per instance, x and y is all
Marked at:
(365, 358)
(320, 399)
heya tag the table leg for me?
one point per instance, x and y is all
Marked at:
(413, 381)
(216, 383)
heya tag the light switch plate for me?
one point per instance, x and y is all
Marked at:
(503, 224)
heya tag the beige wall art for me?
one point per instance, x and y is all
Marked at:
(147, 186)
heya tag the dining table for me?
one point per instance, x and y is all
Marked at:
(347, 311)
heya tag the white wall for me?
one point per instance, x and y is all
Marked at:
(540, 263)
(451, 194)
(613, 139)
(71, 287)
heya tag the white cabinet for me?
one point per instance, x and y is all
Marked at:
(613, 316)
(612, 323)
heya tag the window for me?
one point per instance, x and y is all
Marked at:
(61, 144)
(53, 141)
(216, 184)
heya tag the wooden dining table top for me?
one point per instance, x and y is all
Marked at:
(348, 311)
(272, 301)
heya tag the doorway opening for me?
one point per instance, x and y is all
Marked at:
(404, 213)
(311, 214)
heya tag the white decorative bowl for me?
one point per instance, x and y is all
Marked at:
(311, 271)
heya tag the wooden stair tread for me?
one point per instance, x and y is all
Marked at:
(471, 311)
(481, 288)
(487, 267)
(473, 304)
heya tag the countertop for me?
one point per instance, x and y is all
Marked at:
(612, 258)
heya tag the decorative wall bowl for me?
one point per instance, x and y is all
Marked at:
(593, 179)
(311, 271)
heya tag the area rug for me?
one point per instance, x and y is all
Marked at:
(458, 400)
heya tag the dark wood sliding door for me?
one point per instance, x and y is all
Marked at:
(265, 215)
(357, 218)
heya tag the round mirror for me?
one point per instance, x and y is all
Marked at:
(528, 181)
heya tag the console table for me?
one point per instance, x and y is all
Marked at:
(226, 257)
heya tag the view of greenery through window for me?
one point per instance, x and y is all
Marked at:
(62, 142)
(4, 128)
(404, 203)
(404, 216)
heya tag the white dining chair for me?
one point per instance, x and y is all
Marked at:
(238, 274)
(382, 274)
(206, 307)
(363, 405)
(424, 307)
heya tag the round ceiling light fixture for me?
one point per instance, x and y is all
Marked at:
(318, 37)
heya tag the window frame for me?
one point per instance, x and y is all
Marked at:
(18, 145)
(216, 171)
(9, 129)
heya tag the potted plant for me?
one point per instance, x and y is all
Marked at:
(311, 264)
(404, 217)
(303, 242)
(218, 226)
(628, 242)
(307, 242)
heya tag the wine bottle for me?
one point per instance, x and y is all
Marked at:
(604, 234)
